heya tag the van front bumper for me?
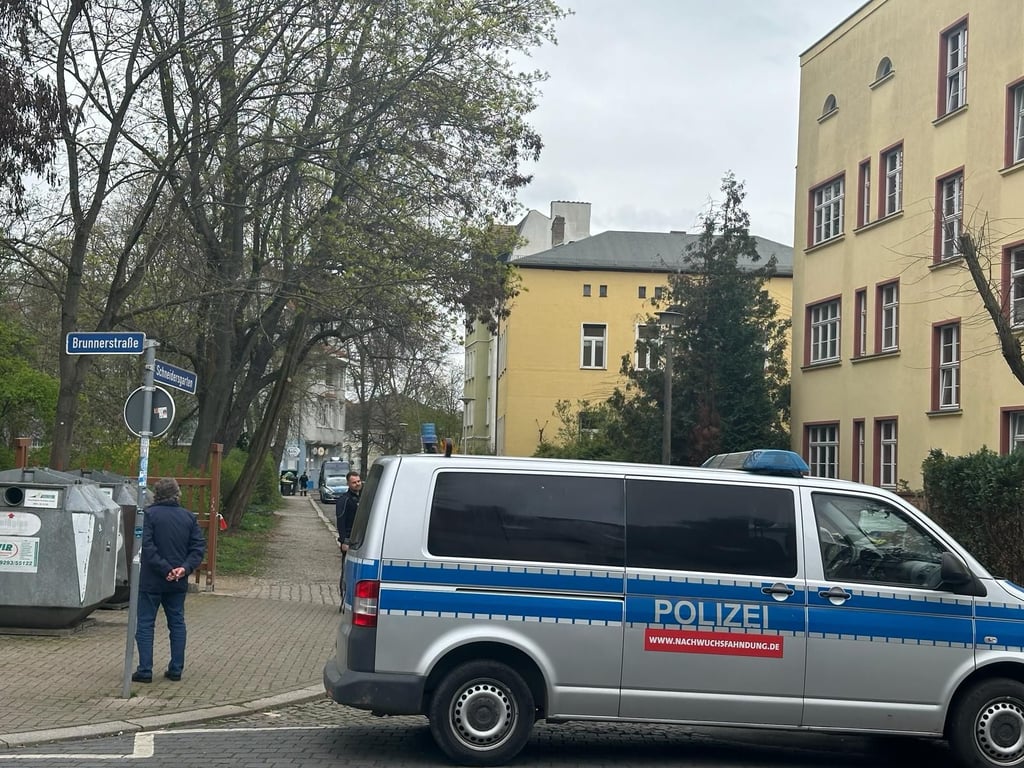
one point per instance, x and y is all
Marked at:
(386, 694)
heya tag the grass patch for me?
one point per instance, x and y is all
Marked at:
(240, 552)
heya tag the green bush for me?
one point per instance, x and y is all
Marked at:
(979, 499)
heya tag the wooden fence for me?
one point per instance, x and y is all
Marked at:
(199, 493)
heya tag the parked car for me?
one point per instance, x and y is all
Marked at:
(332, 480)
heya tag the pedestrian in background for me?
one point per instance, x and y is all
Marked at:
(172, 548)
(303, 483)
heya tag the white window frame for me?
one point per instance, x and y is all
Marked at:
(1017, 287)
(858, 436)
(865, 192)
(823, 450)
(825, 326)
(949, 366)
(862, 311)
(894, 181)
(955, 43)
(829, 209)
(1018, 124)
(647, 360)
(593, 347)
(952, 215)
(889, 298)
(888, 447)
(1016, 427)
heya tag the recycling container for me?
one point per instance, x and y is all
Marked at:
(125, 493)
(58, 548)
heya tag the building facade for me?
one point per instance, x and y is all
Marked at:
(317, 430)
(580, 309)
(568, 221)
(911, 133)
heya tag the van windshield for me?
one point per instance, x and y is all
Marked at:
(333, 480)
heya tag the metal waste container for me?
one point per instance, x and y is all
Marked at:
(125, 493)
(58, 548)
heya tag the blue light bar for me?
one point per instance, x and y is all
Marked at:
(765, 462)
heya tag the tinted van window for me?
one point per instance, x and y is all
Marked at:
(370, 485)
(707, 527)
(511, 516)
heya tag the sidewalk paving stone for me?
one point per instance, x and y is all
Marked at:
(252, 643)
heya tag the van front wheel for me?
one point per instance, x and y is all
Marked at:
(481, 713)
(987, 730)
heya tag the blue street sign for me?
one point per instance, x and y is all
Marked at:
(175, 377)
(88, 343)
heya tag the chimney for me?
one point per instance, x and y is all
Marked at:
(558, 231)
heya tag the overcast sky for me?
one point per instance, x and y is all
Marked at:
(650, 102)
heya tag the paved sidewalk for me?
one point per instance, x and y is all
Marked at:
(253, 644)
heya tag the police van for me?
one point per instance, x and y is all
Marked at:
(490, 592)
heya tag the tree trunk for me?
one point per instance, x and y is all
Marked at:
(238, 500)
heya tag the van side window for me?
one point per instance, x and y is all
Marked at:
(864, 539)
(535, 517)
(685, 526)
(370, 485)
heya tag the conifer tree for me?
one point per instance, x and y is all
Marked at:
(731, 378)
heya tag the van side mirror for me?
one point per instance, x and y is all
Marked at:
(958, 577)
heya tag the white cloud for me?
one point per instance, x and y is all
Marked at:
(650, 102)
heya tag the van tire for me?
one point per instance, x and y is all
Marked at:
(481, 713)
(987, 728)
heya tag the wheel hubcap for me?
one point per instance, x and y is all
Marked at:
(1000, 732)
(483, 715)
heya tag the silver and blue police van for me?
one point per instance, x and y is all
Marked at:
(490, 592)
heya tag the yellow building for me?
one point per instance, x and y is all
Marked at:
(910, 131)
(580, 309)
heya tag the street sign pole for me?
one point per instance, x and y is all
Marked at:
(140, 514)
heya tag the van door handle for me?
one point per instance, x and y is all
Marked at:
(778, 589)
(835, 595)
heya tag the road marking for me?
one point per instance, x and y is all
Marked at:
(143, 744)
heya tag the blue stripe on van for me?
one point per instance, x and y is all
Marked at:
(497, 605)
(995, 611)
(708, 589)
(848, 620)
(1004, 633)
(902, 605)
(504, 577)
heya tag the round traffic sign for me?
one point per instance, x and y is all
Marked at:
(161, 414)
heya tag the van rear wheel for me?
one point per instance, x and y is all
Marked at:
(481, 713)
(987, 729)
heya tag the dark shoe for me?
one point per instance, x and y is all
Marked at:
(175, 676)
(140, 678)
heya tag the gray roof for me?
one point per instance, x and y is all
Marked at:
(643, 252)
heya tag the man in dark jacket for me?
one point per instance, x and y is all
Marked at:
(172, 548)
(344, 516)
(345, 508)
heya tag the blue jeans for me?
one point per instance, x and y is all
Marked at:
(174, 611)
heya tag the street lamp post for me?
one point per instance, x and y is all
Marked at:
(467, 403)
(669, 319)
